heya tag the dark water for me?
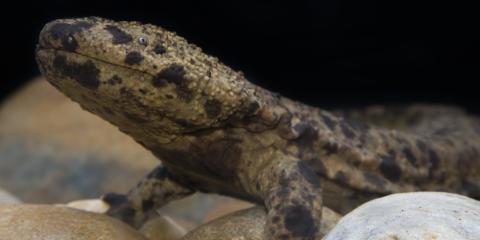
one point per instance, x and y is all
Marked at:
(330, 53)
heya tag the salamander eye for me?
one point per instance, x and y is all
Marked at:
(143, 40)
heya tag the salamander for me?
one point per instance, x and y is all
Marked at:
(216, 132)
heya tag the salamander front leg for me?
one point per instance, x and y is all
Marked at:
(293, 198)
(151, 193)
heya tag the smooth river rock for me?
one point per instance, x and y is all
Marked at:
(45, 222)
(412, 216)
(158, 228)
(247, 224)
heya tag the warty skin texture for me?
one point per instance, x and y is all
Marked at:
(216, 132)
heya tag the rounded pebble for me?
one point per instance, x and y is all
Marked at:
(247, 224)
(162, 228)
(412, 216)
(46, 222)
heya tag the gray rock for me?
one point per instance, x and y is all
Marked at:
(6, 197)
(419, 215)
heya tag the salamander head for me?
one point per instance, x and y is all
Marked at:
(141, 77)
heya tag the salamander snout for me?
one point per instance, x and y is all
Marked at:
(63, 34)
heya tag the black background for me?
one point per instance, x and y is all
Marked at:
(329, 53)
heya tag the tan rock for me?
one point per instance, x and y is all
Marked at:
(162, 228)
(159, 228)
(193, 210)
(44, 222)
(405, 216)
(89, 205)
(228, 205)
(247, 224)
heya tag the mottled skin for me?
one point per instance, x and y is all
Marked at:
(216, 132)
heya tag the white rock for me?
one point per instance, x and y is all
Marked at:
(418, 215)
(89, 205)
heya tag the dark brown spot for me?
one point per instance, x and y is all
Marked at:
(346, 130)
(147, 205)
(358, 126)
(317, 165)
(434, 160)
(185, 123)
(143, 91)
(282, 193)
(159, 49)
(390, 168)
(421, 145)
(125, 214)
(118, 35)
(299, 222)
(330, 148)
(133, 57)
(307, 134)
(158, 173)
(410, 157)
(60, 30)
(128, 95)
(443, 131)
(159, 82)
(119, 207)
(213, 108)
(329, 122)
(257, 186)
(472, 189)
(174, 74)
(108, 110)
(308, 174)
(114, 80)
(375, 180)
(114, 199)
(276, 219)
(341, 177)
(134, 118)
(86, 74)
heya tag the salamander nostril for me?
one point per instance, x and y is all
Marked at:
(159, 49)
